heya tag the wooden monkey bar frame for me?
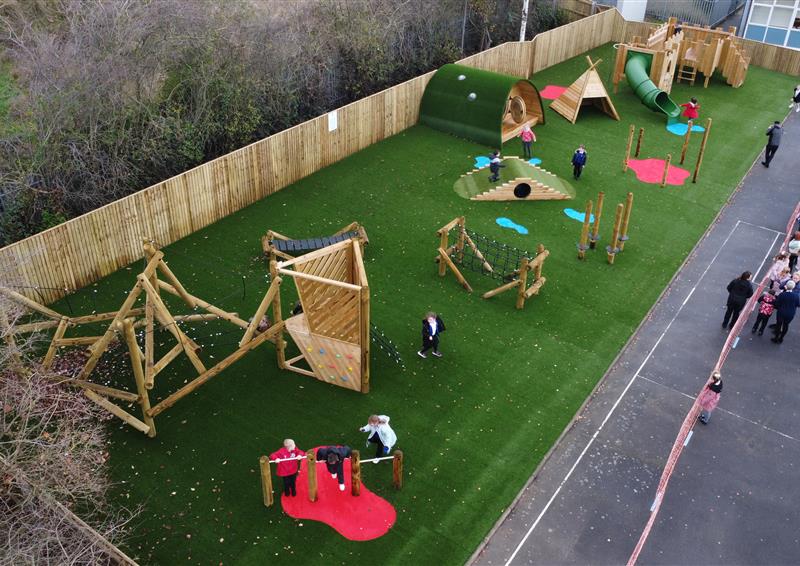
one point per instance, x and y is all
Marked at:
(449, 255)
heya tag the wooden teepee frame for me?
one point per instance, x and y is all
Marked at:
(151, 314)
(588, 87)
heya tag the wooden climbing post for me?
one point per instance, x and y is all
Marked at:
(397, 470)
(612, 248)
(311, 472)
(626, 218)
(280, 344)
(355, 473)
(639, 142)
(666, 170)
(138, 374)
(686, 137)
(702, 151)
(523, 279)
(628, 148)
(266, 481)
(597, 214)
(460, 243)
(583, 245)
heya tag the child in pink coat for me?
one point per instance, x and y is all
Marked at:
(691, 109)
(287, 467)
(528, 137)
(710, 397)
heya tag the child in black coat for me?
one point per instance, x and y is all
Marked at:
(578, 161)
(495, 164)
(432, 325)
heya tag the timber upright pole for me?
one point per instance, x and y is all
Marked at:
(612, 248)
(626, 218)
(639, 142)
(628, 149)
(583, 245)
(266, 481)
(666, 170)
(311, 472)
(702, 151)
(686, 137)
(280, 344)
(596, 228)
(355, 473)
(397, 470)
(138, 374)
(523, 279)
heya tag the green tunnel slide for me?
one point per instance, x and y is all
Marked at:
(637, 71)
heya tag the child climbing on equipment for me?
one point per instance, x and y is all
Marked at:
(764, 311)
(380, 434)
(691, 109)
(334, 456)
(794, 103)
(432, 325)
(528, 137)
(288, 468)
(495, 164)
(578, 161)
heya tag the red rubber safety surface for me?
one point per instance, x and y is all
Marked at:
(551, 92)
(652, 170)
(365, 517)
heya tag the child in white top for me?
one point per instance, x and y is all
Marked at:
(380, 434)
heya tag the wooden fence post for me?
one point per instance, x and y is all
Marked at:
(666, 170)
(639, 142)
(397, 470)
(355, 473)
(311, 472)
(686, 137)
(628, 149)
(582, 245)
(626, 218)
(597, 214)
(266, 481)
(702, 151)
(612, 248)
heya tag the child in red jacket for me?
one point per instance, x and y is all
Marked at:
(288, 469)
(691, 109)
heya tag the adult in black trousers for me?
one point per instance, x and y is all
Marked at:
(432, 326)
(786, 306)
(334, 456)
(739, 290)
(774, 133)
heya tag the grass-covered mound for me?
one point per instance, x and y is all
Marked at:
(479, 181)
(474, 424)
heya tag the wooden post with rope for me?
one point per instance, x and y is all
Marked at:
(596, 228)
(666, 170)
(628, 148)
(311, 472)
(355, 473)
(397, 470)
(583, 244)
(626, 218)
(702, 151)
(266, 481)
(686, 137)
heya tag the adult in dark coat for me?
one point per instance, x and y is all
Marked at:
(785, 306)
(334, 456)
(739, 290)
(774, 133)
(432, 326)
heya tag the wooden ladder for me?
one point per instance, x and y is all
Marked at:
(688, 73)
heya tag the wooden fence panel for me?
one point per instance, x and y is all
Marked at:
(562, 43)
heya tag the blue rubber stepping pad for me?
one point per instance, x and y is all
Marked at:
(534, 161)
(576, 215)
(679, 128)
(481, 161)
(508, 223)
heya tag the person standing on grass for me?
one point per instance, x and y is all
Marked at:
(528, 137)
(793, 247)
(739, 290)
(710, 397)
(785, 306)
(495, 163)
(334, 456)
(774, 133)
(432, 326)
(578, 161)
(380, 434)
(287, 467)
(766, 306)
(690, 109)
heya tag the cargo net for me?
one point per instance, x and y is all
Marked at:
(386, 345)
(485, 255)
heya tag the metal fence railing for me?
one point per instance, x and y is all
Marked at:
(697, 12)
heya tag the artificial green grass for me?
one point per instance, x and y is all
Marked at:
(478, 182)
(447, 104)
(474, 424)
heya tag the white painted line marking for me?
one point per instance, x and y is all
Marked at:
(655, 502)
(762, 227)
(619, 399)
(735, 342)
(688, 438)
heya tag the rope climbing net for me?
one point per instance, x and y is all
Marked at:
(486, 255)
(386, 345)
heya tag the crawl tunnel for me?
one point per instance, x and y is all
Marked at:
(483, 106)
(637, 71)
